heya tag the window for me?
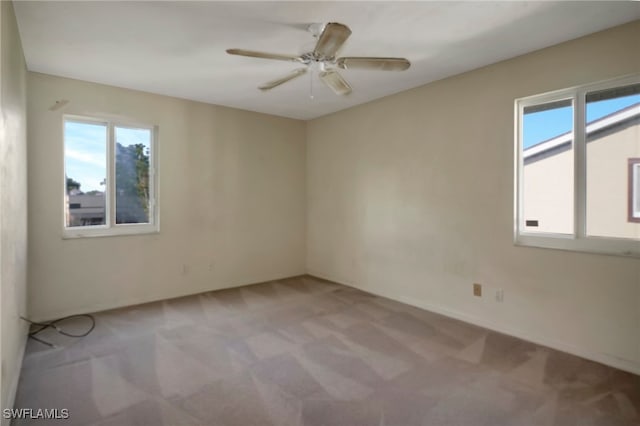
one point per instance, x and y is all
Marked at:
(578, 168)
(634, 190)
(109, 178)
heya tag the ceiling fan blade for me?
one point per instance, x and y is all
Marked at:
(278, 82)
(335, 81)
(332, 38)
(263, 55)
(381, 64)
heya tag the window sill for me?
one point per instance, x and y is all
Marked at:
(593, 245)
(119, 231)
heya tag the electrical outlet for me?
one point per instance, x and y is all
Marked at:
(477, 289)
(499, 295)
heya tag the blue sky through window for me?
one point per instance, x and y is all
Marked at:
(85, 151)
(544, 125)
(85, 154)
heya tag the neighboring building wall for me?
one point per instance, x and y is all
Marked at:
(13, 202)
(548, 193)
(608, 183)
(85, 209)
(548, 187)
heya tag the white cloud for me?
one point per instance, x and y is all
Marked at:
(86, 157)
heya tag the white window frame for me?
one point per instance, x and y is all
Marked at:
(578, 240)
(110, 228)
(634, 196)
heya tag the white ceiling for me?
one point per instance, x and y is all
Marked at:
(178, 48)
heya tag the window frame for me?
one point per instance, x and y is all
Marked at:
(111, 228)
(579, 240)
(634, 168)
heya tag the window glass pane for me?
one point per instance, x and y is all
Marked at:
(547, 154)
(613, 139)
(132, 151)
(85, 162)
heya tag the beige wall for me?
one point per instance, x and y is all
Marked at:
(231, 196)
(411, 197)
(13, 202)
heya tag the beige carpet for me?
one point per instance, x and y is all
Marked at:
(306, 351)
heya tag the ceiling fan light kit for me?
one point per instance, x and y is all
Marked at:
(323, 59)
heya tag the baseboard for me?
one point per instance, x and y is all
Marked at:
(602, 358)
(50, 316)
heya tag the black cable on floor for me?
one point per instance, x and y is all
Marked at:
(54, 325)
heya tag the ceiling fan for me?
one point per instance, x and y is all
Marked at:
(323, 59)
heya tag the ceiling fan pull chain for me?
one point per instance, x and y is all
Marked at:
(311, 84)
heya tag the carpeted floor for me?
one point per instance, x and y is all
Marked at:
(307, 351)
